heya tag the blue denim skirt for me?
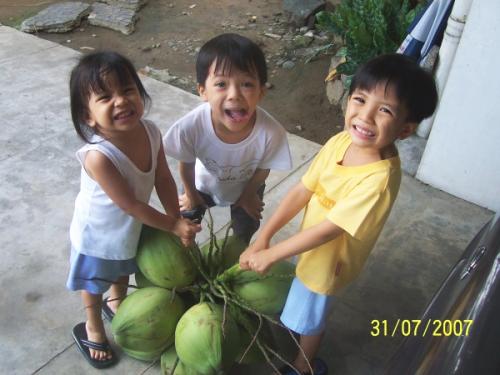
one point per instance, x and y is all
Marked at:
(95, 275)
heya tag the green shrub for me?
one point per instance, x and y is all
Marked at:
(368, 28)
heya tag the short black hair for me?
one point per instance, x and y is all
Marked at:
(89, 75)
(413, 86)
(228, 50)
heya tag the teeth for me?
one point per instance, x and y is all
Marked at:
(364, 131)
(123, 114)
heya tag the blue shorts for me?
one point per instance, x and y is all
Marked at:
(95, 275)
(305, 311)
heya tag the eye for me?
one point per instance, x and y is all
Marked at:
(220, 84)
(248, 84)
(386, 110)
(103, 98)
(358, 99)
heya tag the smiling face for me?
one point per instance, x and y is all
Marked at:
(376, 118)
(233, 96)
(116, 109)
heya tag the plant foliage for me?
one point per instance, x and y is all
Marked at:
(368, 28)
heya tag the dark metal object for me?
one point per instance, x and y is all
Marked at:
(470, 292)
(195, 215)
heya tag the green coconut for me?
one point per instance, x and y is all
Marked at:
(144, 324)
(265, 294)
(230, 251)
(163, 259)
(144, 355)
(201, 341)
(168, 361)
(141, 281)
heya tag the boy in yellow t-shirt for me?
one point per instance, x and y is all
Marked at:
(347, 193)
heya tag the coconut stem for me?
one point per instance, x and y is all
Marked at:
(174, 366)
(213, 241)
(276, 354)
(254, 338)
(224, 312)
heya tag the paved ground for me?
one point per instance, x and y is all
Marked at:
(424, 236)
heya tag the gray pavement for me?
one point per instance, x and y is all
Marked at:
(424, 236)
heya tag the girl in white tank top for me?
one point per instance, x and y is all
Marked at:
(122, 161)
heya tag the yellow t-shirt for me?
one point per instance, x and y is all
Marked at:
(357, 199)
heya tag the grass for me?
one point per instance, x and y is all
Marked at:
(16, 20)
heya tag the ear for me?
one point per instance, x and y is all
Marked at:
(202, 92)
(263, 91)
(408, 129)
(90, 121)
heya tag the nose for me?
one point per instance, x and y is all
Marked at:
(120, 99)
(366, 113)
(234, 91)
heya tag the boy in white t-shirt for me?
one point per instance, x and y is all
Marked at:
(227, 146)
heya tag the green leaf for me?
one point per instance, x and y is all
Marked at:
(368, 27)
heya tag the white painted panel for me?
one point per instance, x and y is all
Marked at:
(462, 156)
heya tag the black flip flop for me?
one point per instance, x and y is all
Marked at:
(84, 345)
(106, 310)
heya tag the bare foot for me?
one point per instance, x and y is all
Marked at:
(97, 335)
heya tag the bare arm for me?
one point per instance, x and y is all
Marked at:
(294, 201)
(190, 199)
(114, 185)
(249, 199)
(301, 242)
(165, 186)
(258, 178)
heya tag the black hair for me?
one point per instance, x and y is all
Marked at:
(228, 50)
(413, 86)
(89, 75)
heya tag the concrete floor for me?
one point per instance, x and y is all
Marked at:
(423, 238)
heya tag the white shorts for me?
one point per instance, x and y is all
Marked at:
(305, 311)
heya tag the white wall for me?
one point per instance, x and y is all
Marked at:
(462, 156)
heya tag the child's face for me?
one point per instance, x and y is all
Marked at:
(233, 99)
(115, 110)
(376, 118)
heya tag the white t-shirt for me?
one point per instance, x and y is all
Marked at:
(99, 227)
(222, 169)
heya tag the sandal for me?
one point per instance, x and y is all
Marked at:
(84, 345)
(106, 310)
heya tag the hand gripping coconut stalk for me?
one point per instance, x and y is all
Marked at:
(199, 298)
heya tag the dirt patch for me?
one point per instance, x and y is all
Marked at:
(168, 34)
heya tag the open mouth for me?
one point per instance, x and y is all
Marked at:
(237, 115)
(123, 115)
(364, 132)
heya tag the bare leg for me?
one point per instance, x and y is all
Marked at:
(94, 325)
(310, 346)
(117, 292)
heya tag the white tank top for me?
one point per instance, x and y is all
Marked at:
(99, 227)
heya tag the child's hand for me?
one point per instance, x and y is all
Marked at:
(186, 203)
(260, 261)
(255, 247)
(252, 204)
(186, 230)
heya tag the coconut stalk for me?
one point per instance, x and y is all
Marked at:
(214, 284)
(218, 286)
